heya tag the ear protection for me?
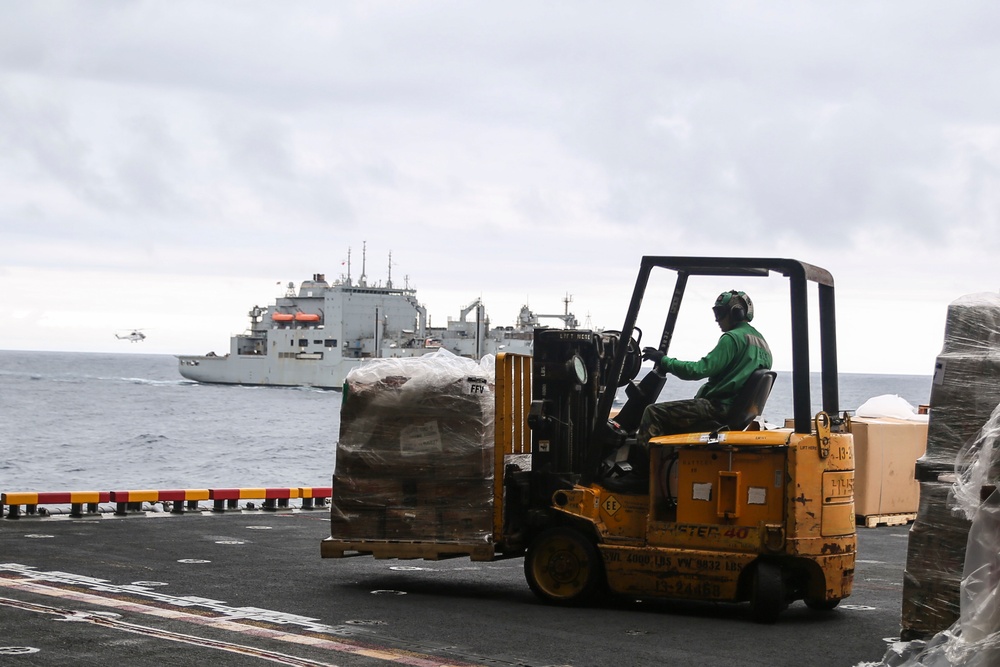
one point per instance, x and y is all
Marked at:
(737, 304)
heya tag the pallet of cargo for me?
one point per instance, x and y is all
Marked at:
(872, 520)
(334, 548)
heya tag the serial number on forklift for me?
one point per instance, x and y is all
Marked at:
(686, 564)
(687, 589)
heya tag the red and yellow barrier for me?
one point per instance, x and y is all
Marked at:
(315, 496)
(31, 500)
(130, 500)
(273, 498)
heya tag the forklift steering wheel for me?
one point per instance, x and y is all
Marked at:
(633, 358)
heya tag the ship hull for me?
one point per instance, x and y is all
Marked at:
(265, 372)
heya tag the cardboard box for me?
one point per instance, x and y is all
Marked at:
(885, 455)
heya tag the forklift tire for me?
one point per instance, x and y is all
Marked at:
(563, 567)
(767, 593)
(822, 605)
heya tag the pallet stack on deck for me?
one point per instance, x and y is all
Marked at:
(964, 393)
(415, 456)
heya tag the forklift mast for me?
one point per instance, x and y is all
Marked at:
(569, 374)
(799, 275)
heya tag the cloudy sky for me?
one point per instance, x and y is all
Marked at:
(165, 164)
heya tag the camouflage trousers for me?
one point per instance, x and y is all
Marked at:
(690, 415)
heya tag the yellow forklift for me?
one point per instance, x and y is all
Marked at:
(726, 514)
(731, 513)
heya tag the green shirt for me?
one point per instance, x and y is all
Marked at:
(739, 352)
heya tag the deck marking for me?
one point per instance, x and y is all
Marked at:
(76, 616)
(199, 611)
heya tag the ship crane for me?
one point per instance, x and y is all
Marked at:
(468, 309)
(569, 319)
(529, 319)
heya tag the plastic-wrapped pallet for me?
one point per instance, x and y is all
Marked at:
(415, 456)
(935, 555)
(971, 505)
(964, 394)
(966, 384)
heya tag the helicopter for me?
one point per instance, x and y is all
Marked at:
(136, 336)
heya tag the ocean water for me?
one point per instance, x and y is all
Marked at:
(74, 421)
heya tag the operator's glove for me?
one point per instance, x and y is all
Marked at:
(652, 354)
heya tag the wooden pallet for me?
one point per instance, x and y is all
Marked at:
(333, 548)
(872, 520)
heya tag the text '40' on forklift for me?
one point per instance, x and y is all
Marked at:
(727, 514)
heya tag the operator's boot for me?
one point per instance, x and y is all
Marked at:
(627, 469)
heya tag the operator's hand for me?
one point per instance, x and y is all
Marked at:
(652, 354)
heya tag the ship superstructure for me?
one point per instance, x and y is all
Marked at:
(314, 335)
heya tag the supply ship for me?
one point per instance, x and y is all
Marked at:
(314, 335)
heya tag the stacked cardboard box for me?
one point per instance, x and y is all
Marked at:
(965, 391)
(885, 451)
(415, 457)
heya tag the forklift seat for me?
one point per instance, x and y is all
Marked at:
(749, 402)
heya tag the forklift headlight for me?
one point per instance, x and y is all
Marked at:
(577, 370)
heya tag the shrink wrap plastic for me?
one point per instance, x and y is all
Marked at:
(966, 384)
(415, 455)
(951, 587)
(891, 406)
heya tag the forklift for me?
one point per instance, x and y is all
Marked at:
(726, 514)
(731, 513)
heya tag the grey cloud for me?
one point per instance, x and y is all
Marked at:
(708, 120)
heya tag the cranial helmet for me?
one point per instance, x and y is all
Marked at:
(736, 304)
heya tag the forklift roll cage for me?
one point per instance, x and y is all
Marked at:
(799, 274)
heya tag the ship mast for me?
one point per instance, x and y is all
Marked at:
(363, 280)
(389, 282)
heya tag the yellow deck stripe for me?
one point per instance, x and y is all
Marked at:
(392, 655)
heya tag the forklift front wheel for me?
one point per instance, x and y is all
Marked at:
(767, 596)
(563, 567)
(822, 605)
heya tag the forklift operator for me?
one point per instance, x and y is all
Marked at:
(741, 350)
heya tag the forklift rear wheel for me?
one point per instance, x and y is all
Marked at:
(822, 605)
(563, 567)
(767, 595)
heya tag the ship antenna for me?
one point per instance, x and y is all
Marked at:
(388, 283)
(348, 266)
(363, 280)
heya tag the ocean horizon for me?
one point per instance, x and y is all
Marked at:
(107, 421)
